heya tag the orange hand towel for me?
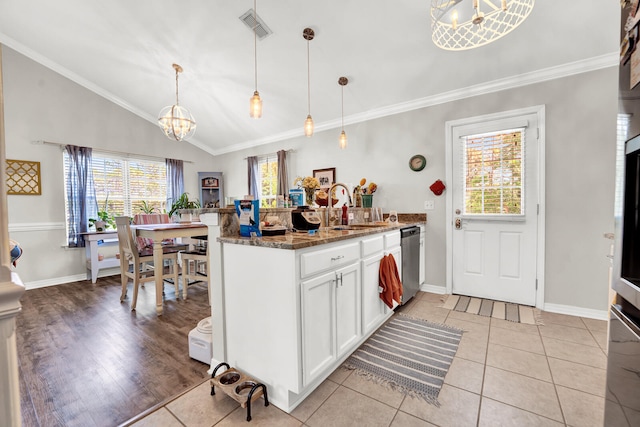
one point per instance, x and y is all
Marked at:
(390, 282)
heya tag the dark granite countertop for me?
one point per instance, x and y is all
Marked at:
(300, 240)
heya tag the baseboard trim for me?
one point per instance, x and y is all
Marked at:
(68, 279)
(434, 289)
(571, 310)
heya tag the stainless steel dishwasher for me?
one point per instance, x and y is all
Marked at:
(410, 245)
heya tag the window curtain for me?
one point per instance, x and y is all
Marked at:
(175, 180)
(81, 194)
(283, 174)
(252, 177)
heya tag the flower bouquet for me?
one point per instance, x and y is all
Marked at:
(310, 184)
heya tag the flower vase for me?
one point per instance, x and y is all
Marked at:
(100, 226)
(367, 200)
(308, 196)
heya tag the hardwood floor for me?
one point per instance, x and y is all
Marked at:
(85, 359)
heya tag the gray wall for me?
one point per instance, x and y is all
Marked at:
(580, 169)
(580, 149)
(43, 105)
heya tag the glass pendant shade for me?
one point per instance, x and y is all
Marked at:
(308, 126)
(255, 106)
(343, 140)
(177, 122)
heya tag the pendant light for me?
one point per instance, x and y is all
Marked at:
(462, 25)
(255, 103)
(308, 35)
(176, 121)
(342, 81)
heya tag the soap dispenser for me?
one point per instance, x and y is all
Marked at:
(345, 215)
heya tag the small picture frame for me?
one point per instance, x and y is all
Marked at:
(326, 177)
(210, 182)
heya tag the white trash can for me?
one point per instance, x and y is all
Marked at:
(201, 341)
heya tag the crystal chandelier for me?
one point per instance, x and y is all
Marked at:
(466, 24)
(176, 121)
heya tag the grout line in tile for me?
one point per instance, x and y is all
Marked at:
(394, 417)
(174, 415)
(555, 388)
(525, 410)
(320, 405)
(484, 374)
(519, 373)
(370, 397)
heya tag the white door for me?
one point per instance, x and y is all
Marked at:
(494, 209)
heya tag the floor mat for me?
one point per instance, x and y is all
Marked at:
(497, 309)
(408, 355)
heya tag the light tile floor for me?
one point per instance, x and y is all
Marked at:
(504, 374)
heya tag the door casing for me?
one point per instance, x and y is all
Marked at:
(540, 238)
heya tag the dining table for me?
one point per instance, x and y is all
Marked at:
(158, 232)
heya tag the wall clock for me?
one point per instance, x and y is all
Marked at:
(417, 163)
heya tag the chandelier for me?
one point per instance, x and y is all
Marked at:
(176, 121)
(467, 24)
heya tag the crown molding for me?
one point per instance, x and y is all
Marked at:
(564, 70)
(525, 79)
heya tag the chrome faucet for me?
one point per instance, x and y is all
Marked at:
(339, 184)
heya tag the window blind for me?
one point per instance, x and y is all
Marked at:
(493, 168)
(124, 183)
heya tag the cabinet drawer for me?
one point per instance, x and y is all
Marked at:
(325, 259)
(392, 239)
(372, 245)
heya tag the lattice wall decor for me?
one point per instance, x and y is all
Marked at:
(23, 177)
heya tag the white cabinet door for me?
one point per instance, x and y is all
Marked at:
(318, 325)
(348, 329)
(373, 309)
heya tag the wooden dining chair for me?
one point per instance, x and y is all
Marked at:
(198, 259)
(129, 254)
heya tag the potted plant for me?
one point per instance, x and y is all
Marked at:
(146, 207)
(104, 220)
(183, 202)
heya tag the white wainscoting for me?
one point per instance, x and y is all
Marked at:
(36, 226)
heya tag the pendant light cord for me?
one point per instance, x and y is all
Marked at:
(308, 80)
(342, 102)
(255, 43)
(177, 103)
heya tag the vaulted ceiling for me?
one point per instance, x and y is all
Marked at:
(123, 50)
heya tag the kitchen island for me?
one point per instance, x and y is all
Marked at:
(296, 306)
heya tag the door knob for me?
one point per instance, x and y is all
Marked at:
(458, 223)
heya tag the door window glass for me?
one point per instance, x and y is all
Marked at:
(494, 173)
